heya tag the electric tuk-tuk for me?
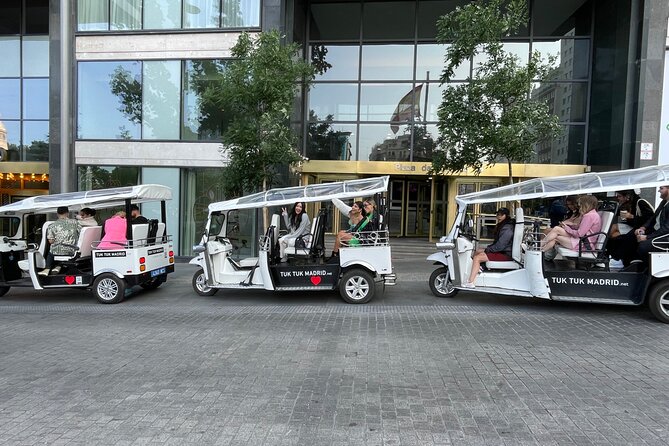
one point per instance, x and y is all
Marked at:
(144, 259)
(583, 275)
(227, 261)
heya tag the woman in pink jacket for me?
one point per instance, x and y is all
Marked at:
(569, 236)
(115, 230)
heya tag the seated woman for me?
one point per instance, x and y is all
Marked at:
(297, 223)
(356, 214)
(115, 232)
(633, 212)
(569, 236)
(356, 234)
(501, 248)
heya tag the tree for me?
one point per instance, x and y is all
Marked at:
(257, 92)
(491, 117)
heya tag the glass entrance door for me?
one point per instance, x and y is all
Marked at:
(417, 208)
(396, 208)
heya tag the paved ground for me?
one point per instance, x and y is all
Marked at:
(170, 367)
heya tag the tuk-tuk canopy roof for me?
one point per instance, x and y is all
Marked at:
(585, 183)
(313, 192)
(100, 198)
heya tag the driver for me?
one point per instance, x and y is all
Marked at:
(501, 248)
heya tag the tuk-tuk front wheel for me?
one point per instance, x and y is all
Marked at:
(357, 286)
(441, 284)
(200, 284)
(109, 289)
(658, 301)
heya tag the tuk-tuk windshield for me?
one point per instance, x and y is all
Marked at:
(9, 226)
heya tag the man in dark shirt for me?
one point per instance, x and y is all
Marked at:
(137, 217)
(656, 227)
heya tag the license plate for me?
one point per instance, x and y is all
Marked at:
(157, 272)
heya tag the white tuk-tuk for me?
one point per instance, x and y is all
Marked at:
(227, 259)
(144, 259)
(583, 275)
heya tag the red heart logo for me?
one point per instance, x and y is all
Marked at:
(315, 280)
(69, 280)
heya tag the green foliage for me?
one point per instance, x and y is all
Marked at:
(257, 93)
(492, 117)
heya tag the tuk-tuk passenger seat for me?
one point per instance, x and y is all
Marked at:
(87, 236)
(594, 254)
(42, 250)
(140, 234)
(160, 232)
(516, 249)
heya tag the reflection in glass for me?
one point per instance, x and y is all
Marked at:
(337, 100)
(387, 62)
(377, 142)
(572, 57)
(330, 141)
(10, 99)
(36, 98)
(388, 20)
(424, 141)
(430, 62)
(567, 100)
(342, 60)
(36, 140)
(202, 119)
(13, 139)
(103, 177)
(36, 56)
(398, 147)
(126, 14)
(241, 13)
(430, 11)
(430, 100)
(334, 21)
(11, 57)
(570, 18)
(109, 99)
(567, 148)
(378, 102)
(519, 49)
(37, 17)
(165, 14)
(160, 99)
(200, 187)
(201, 13)
(10, 17)
(92, 15)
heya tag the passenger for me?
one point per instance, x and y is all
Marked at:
(115, 232)
(572, 219)
(557, 211)
(137, 217)
(298, 225)
(501, 248)
(657, 226)
(569, 236)
(62, 236)
(633, 211)
(86, 217)
(372, 214)
(356, 217)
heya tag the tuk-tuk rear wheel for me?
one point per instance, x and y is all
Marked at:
(109, 289)
(357, 286)
(441, 284)
(3, 290)
(658, 301)
(200, 284)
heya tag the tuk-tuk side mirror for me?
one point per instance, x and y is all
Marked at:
(197, 249)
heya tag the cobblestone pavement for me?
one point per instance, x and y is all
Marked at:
(170, 367)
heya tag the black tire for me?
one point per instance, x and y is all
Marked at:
(200, 284)
(357, 286)
(658, 301)
(109, 289)
(154, 283)
(3, 290)
(441, 284)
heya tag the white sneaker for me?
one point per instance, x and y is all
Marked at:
(468, 285)
(44, 272)
(56, 269)
(616, 264)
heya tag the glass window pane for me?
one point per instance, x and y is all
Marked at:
(10, 99)
(330, 141)
(430, 62)
(200, 187)
(160, 106)
(379, 102)
(109, 100)
(126, 14)
(378, 140)
(567, 100)
(519, 49)
(572, 57)
(342, 61)
(10, 17)
(37, 17)
(552, 18)
(36, 98)
(339, 101)
(11, 57)
(36, 56)
(92, 15)
(165, 14)
(388, 20)
(241, 13)
(169, 177)
(424, 141)
(13, 139)
(36, 140)
(335, 21)
(396, 147)
(387, 62)
(201, 13)
(104, 177)
(430, 100)
(430, 11)
(203, 119)
(567, 148)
